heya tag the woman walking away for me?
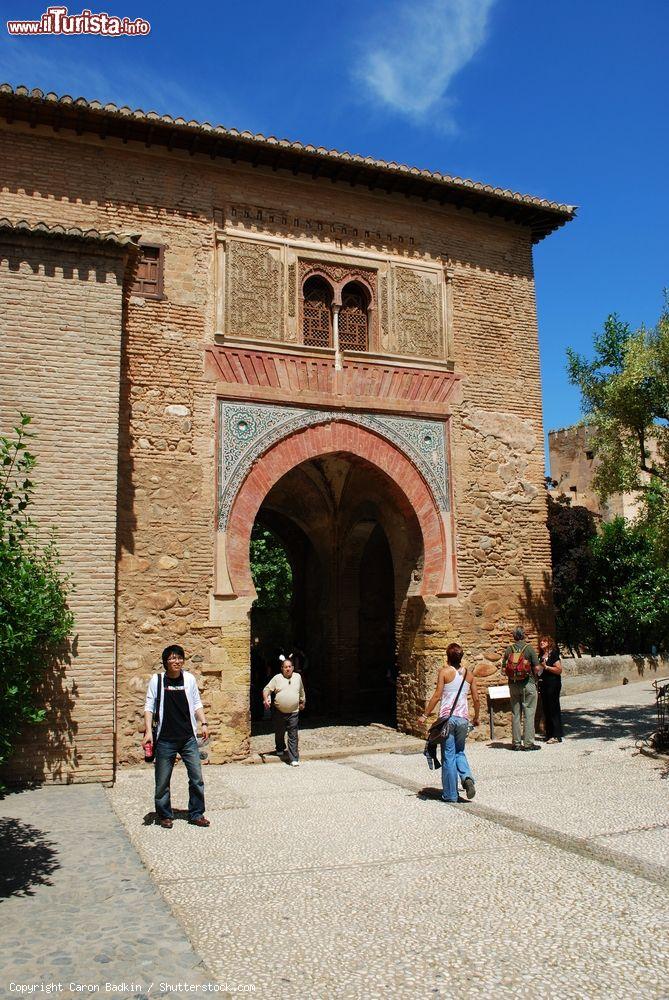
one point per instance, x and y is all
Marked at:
(551, 684)
(453, 685)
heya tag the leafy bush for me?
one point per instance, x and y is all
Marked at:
(34, 618)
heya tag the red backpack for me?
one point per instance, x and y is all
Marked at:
(518, 668)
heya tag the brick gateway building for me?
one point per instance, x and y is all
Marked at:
(213, 329)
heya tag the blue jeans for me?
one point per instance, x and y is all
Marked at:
(454, 759)
(166, 751)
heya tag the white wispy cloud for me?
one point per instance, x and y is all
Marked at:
(419, 47)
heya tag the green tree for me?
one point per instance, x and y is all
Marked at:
(625, 400)
(610, 587)
(628, 591)
(34, 618)
(270, 569)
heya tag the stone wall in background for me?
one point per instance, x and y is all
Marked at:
(589, 673)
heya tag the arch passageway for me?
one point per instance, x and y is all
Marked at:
(355, 549)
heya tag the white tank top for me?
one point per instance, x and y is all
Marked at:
(461, 710)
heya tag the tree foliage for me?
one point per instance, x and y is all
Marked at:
(610, 588)
(34, 618)
(272, 575)
(629, 591)
(625, 400)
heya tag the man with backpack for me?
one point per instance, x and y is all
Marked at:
(519, 665)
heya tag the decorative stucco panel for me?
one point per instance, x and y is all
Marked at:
(417, 312)
(254, 290)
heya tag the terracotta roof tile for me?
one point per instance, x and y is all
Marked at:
(554, 214)
(71, 232)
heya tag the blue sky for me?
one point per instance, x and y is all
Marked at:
(567, 101)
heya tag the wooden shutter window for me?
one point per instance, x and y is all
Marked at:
(149, 274)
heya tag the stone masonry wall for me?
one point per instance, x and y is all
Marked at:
(167, 431)
(60, 349)
(573, 465)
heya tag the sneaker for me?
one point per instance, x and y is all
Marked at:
(469, 787)
(535, 746)
(516, 746)
(294, 763)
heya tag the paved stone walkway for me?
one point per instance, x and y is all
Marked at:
(78, 906)
(553, 881)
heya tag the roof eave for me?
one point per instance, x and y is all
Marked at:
(108, 121)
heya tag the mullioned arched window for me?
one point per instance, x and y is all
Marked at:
(353, 318)
(317, 313)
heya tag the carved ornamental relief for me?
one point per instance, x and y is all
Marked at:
(254, 290)
(339, 273)
(417, 312)
(260, 293)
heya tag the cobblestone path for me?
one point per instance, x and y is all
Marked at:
(78, 906)
(317, 739)
(351, 879)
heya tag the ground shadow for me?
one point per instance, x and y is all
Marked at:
(27, 859)
(151, 818)
(432, 794)
(429, 792)
(619, 722)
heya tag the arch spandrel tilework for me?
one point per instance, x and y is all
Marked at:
(247, 430)
(336, 435)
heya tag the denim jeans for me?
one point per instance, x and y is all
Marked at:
(454, 759)
(166, 751)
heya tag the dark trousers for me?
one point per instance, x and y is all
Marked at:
(286, 722)
(550, 697)
(166, 751)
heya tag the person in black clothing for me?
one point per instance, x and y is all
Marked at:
(550, 683)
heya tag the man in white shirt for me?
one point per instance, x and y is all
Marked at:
(289, 700)
(174, 696)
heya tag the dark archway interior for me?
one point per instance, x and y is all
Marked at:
(355, 550)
